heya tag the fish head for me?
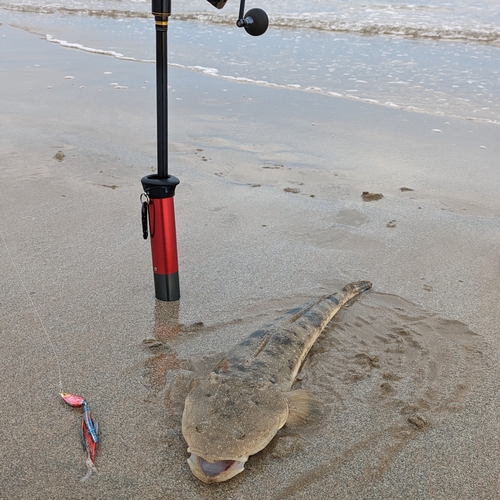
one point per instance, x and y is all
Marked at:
(225, 421)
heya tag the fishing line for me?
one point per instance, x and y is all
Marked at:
(36, 312)
(89, 425)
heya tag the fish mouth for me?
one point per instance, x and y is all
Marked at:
(217, 471)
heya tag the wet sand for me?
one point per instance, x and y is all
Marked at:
(270, 215)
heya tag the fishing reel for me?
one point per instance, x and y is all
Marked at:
(255, 21)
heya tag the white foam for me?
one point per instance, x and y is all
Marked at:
(200, 69)
(102, 52)
(214, 72)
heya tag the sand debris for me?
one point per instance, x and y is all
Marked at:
(59, 156)
(367, 196)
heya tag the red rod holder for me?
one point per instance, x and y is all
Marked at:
(158, 210)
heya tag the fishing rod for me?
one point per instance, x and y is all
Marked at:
(157, 212)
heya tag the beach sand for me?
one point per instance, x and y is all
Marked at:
(270, 215)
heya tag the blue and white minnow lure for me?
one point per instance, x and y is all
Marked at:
(90, 424)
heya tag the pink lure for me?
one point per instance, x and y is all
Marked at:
(72, 400)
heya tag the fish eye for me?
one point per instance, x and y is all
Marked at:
(239, 433)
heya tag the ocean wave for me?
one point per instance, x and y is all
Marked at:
(326, 21)
(76, 11)
(214, 72)
(79, 46)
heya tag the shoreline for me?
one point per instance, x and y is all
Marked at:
(270, 215)
(427, 83)
(214, 72)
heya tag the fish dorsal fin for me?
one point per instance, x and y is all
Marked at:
(261, 346)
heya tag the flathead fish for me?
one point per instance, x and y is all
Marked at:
(237, 409)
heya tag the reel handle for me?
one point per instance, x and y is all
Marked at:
(255, 21)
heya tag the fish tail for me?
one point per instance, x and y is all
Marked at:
(357, 287)
(353, 289)
(308, 325)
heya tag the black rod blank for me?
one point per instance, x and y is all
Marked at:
(161, 11)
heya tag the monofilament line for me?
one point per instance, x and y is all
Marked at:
(36, 312)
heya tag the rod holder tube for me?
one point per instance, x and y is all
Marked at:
(163, 235)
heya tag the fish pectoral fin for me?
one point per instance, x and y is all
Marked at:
(301, 405)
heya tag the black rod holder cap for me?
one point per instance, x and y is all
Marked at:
(167, 287)
(157, 188)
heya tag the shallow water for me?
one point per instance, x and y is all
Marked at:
(437, 60)
(464, 20)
